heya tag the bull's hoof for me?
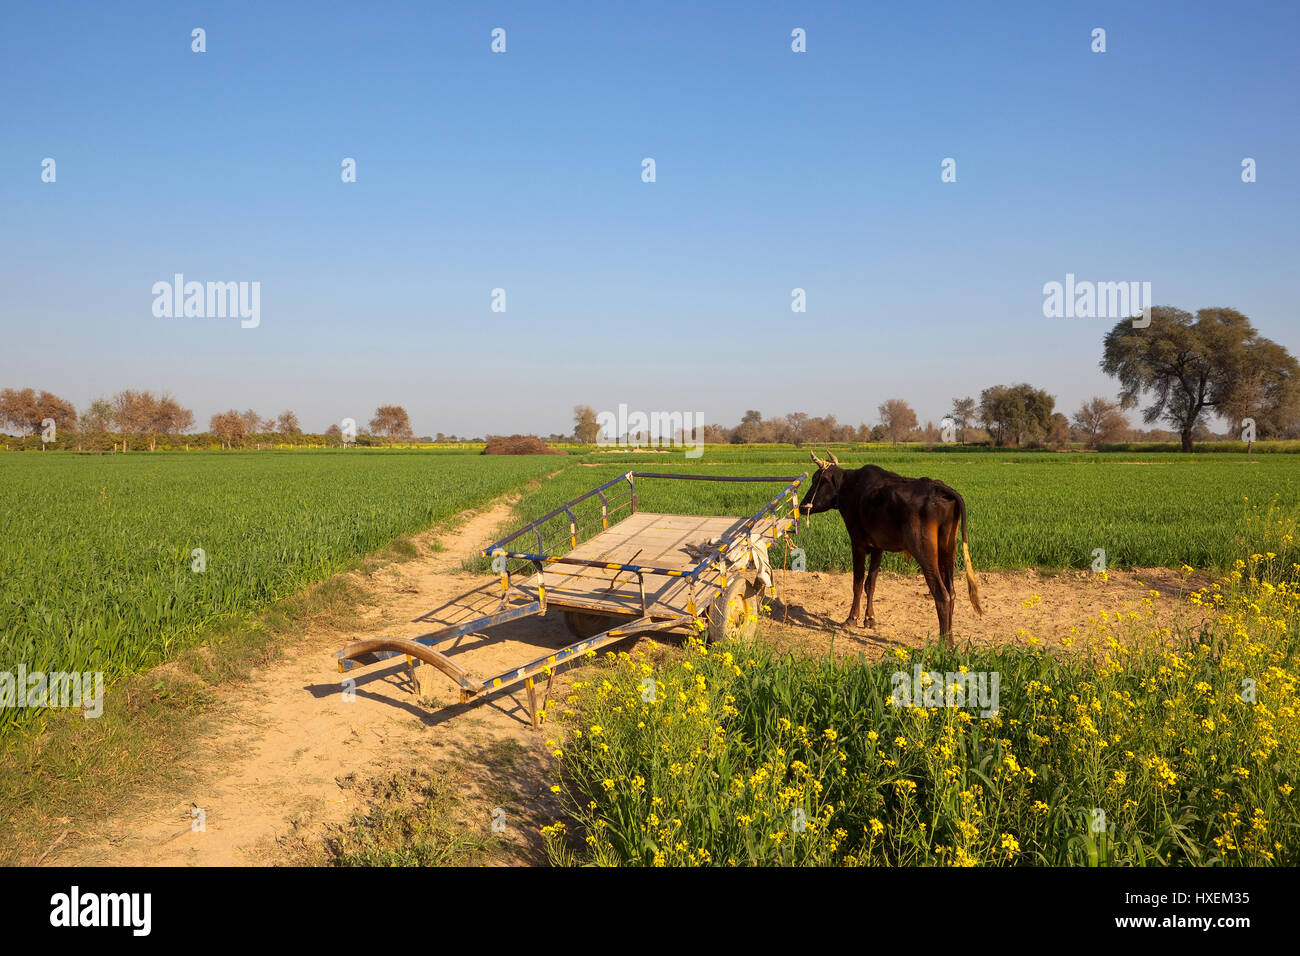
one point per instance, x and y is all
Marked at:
(869, 622)
(849, 621)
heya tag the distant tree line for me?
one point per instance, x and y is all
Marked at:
(1186, 367)
(142, 420)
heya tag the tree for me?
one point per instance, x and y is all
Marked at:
(287, 424)
(797, 423)
(96, 420)
(820, 430)
(1269, 400)
(146, 415)
(252, 422)
(775, 430)
(962, 415)
(1100, 420)
(749, 430)
(162, 416)
(585, 427)
(52, 408)
(1214, 361)
(25, 410)
(227, 426)
(1016, 413)
(897, 417)
(391, 421)
(18, 410)
(1058, 430)
(129, 414)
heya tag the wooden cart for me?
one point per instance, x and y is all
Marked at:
(614, 571)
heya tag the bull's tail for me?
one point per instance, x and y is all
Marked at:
(972, 586)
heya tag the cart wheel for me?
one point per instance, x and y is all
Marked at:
(583, 625)
(734, 613)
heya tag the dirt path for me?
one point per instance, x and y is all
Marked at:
(287, 750)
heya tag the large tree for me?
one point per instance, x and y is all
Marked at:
(391, 421)
(750, 428)
(1214, 362)
(1058, 430)
(287, 424)
(146, 415)
(962, 415)
(796, 423)
(1016, 413)
(167, 417)
(1100, 420)
(59, 410)
(897, 417)
(18, 410)
(95, 423)
(131, 411)
(25, 409)
(586, 429)
(227, 426)
(252, 421)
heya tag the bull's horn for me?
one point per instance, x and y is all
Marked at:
(834, 461)
(818, 461)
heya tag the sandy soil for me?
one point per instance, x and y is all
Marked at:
(287, 750)
(809, 608)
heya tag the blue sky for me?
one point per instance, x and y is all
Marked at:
(522, 171)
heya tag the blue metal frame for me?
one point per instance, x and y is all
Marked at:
(498, 548)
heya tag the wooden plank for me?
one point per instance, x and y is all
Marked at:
(412, 649)
(660, 539)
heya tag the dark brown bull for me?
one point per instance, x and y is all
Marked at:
(883, 512)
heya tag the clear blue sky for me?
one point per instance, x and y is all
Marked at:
(522, 171)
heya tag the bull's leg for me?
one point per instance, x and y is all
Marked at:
(947, 616)
(948, 554)
(859, 575)
(947, 562)
(928, 556)
(872, 571)
(942, 602)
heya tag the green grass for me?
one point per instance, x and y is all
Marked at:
(96, 562)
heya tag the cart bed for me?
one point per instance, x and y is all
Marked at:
(660, 540)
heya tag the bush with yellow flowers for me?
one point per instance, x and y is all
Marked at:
(1140, 745)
